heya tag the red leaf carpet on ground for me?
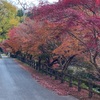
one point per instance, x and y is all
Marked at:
(56, 85)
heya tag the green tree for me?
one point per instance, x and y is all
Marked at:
(8, 18)
(20, 14)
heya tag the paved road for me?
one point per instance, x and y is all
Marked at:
(18, 84)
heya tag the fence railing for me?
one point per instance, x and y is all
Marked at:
(58, 74)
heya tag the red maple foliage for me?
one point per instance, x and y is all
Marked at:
(65, 28)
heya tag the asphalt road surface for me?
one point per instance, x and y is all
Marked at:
(18, 84)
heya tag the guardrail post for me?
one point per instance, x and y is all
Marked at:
(56, 76)
(62, 77)
(90, 88)
(79, 84)
(70, 80)
(50, 72)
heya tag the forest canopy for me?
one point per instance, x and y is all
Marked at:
(68, 28)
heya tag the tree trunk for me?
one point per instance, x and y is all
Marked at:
(94, 63)
(67, 63)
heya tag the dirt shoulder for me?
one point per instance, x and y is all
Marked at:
(55, 85)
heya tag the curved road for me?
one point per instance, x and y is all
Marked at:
(18, 84)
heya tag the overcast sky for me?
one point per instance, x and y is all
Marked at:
(30, 2)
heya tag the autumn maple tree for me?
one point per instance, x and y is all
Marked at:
(76, 24)
(67, 29)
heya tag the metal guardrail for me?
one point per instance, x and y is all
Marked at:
(62, 76)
